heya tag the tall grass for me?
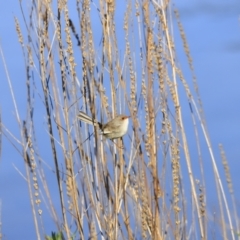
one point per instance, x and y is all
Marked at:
(106, 58)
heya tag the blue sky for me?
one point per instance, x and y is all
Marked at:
(213, 34)
(212, 29)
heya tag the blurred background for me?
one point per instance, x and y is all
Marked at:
(212, 30)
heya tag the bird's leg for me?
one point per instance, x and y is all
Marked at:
(121, 147)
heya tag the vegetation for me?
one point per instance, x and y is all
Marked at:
(106, 58)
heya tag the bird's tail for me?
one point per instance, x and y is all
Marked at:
(85, 118)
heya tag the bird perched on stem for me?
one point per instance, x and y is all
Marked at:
(113, 129)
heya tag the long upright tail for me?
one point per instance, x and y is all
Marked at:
(85, 118)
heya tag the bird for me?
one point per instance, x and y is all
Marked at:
(116, 128)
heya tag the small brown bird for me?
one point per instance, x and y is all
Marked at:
(113, 129)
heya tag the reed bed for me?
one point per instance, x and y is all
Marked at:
(106, 58)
